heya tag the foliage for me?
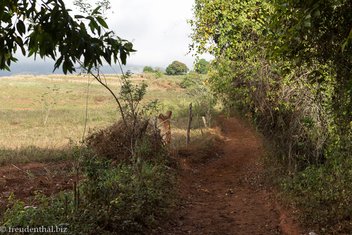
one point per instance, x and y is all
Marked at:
(286, 66)
(323, 194)
(127, 199)
(191, 80)
(49, 30)
(86, 7)
(51, 212)
(148, 69)
(176, 68)
(203, 100)
(317, 32)
(201, 66)
(115, 142)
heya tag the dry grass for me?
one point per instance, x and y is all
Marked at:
(49, 111)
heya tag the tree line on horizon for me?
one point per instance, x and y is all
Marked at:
(201, 66)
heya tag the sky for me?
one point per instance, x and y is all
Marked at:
(158, 29)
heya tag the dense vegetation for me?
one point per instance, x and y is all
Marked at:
(124, 190)
(118, 192)
(176, 68)
(148, 69)
(286, 65)
(112, 199)
(201, 66)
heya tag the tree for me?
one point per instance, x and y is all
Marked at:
(176, 68)
(201, 66)
(48, 30)
(286, 65)
(318, 32)
(148, 69)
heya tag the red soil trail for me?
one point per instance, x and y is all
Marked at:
(227, 194)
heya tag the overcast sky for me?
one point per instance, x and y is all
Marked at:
(157, 28)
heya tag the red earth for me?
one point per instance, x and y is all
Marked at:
(227, 194)
(25, 180)
(221, 194)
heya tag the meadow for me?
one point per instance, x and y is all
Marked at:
(42, 116)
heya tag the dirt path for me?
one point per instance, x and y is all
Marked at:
(227, 195)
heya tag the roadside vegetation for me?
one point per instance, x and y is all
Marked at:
(117, 192)
(123, 180)
(286, 66)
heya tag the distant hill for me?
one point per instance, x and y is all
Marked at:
(47, 68)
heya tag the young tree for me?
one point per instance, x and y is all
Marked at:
(176, 68)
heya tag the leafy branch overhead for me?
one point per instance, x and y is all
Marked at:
(48, 29)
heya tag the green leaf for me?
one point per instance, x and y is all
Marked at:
(79, 17)
(102, 22)
(123, 56)
(96, 10)
(21, 28)
(307, 24)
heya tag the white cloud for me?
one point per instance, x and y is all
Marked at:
(158, 29)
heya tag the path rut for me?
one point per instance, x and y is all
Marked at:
(227, 194)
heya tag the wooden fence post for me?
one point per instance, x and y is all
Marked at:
(204, 122)
(190, 115)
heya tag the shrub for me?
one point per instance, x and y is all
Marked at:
(114, 142)
(176, 68)
(324, 193)
(122, 199)
(158, 73)
(190, 81)
(148, 69)
(201, 66)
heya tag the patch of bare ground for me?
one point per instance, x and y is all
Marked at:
(24, 180)
(223, 190)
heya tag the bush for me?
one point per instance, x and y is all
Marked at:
(191, 81)
(176, 68)
(201, 66)
(122, 199)
(324, 195)
(148, 69)
(126, 187)
(114, 142)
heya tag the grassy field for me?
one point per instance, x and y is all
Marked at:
(41, 116)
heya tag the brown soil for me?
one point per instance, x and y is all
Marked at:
(220, 194)
(227, 194)
(24, 180)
